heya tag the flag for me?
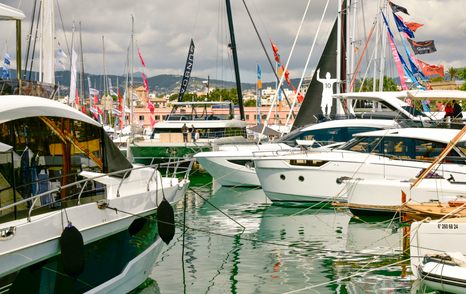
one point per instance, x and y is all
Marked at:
(99, 110)
(259, 77)
(151, 107)
(60, 57)
(396, 8)
(6, 66)
(96, 99)
(187, 71)
(413, 26)
(140, 57)
(279, 67)
(402, 27)
(287, 77)
(144, 80)
(430, 69)
(93, 92)
(152, 121)
(299, 96)
(275, 51)
(422, 47)
(74, 59)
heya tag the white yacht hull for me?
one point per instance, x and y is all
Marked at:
(227, 166)
(439, 238)
(322, 179)
(38, 240)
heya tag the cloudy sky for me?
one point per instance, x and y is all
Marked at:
(163, 29)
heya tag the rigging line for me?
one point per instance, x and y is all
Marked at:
(35, 39)
(218, 209)
(185, 202)
(63, 27)
(358, 65)
(30, 38)
(269, 60)
(309, 56)
(358, 273)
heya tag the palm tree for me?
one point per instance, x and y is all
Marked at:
(453, 72)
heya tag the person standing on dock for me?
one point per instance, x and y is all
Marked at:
(193, 133)
(185, 130)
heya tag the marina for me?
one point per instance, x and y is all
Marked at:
(339, 166)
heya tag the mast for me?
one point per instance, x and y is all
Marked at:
(232, 46)
(81, 75)
(131, 114)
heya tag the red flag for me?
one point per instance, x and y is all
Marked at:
(299, 97)
(96, 100)
(120, 101)
(430, 69)
(152, 121)
(144, 80)
(99, 110)
(287, 77)
(140, 57)
(275, 52)
(83, 109)
(413, 26)
(151, 107)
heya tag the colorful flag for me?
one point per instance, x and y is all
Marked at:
(402, 27)
(96, 99)
(144, 80)
(6, 66)
(275, 52)
(151, 107)
(140, 57)
(430, 69)
(299, 96)
(259, 77)
(396, 56)
(422, 47)
(396, 8)
(413, 26)
(152, 121)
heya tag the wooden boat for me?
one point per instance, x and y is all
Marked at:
(435, 210)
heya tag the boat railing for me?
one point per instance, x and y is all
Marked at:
(28, 88)
(171, 172)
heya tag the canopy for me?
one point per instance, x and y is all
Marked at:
(10, 13)
(268, 131)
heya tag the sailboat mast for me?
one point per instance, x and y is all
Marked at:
(81, 75)
(132, 77)
(232, 46)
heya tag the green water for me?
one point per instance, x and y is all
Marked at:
(273, 249)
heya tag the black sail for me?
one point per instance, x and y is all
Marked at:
(310, 109)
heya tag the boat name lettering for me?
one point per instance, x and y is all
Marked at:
(448, 226)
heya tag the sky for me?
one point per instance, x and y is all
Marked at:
(163, 29)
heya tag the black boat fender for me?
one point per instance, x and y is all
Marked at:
(72, 251)
(166, 221)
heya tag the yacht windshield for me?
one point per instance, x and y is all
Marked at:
(413, 111)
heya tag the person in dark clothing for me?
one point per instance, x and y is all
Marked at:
(193, 133)
(457, 110)
(185, 131)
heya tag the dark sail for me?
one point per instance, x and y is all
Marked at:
(187, 71)
(310, 109)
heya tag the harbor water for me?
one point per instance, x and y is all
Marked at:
(236, 241)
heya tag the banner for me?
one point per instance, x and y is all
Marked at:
(431, 69)
(396, 56)
(423, 47)
(402, 27)
(398, 8)
(187, 71)
(259, 77)
(413, 26)
(6, 66)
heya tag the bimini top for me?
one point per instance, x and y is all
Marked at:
(342, 123)
(429, 134)
(437, 94)
(10, 13)
(14, 107)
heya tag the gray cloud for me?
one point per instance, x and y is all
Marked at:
(164, 28)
